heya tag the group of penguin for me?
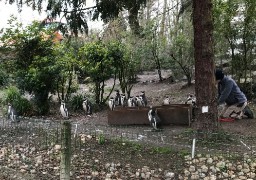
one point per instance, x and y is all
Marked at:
(87, 107)
(132, 101)
(120, 100)
(136, 101)
(141, 100)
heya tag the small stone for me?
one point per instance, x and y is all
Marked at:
(239, 167)
(209, 161)
(169, 175)
(204, 168)
(195, 176)
(57, 147)
(192, 169)
(95, 173)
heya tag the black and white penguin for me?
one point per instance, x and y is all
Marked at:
(166, 100)
(153, 118)
(111, 103)
(123, 100)
(12, 114)
(63, 110)
(143, 98)
(87, 106)
(131, 102)
(191, 100)
(117, 98)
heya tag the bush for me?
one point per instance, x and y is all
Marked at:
(19, 103)
(76, 102)
(3, 77)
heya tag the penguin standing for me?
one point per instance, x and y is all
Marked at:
(144, 99)
(191, 100)
(12, 114)
(117, 98)
(111, 103)
(153, 118)
(63, 110)
(123, 100)
(131, 102)
(166, 100)
(87, 106)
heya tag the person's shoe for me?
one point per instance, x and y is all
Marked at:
(248, 112)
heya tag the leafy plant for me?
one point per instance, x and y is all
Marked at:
(76, 102)
(161, 150)
(3, 76)
(20, 104)
(101, 139)
(33, 65)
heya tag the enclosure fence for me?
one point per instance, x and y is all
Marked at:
(33, 144)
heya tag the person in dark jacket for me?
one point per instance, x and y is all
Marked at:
(230, 96)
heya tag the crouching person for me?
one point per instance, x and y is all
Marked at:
(232, 101)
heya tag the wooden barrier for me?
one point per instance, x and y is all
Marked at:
(177, 114)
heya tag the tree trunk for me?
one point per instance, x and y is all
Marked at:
(162, 25)
(133, 20)
(205, 88)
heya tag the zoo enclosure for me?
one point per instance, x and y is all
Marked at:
(46, 135)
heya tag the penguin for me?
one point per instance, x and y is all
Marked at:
(111, 103)
(87, 106)
(191, 100)
(153, 118)
(117, 98)
(12, 114)
(123, 100)
(166, 100)
(144, 99)
(131, 102)
(139, 101)
(63, 110)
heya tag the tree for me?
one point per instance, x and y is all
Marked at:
(77, 14)
(33, 59)
(181, 48)
(235, 35)
(110, 9)
(97, 62)
(204, 66)
(66, 62)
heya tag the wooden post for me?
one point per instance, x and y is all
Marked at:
(65, 151)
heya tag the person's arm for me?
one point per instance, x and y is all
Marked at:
(225, 93)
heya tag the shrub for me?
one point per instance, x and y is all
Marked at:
(3, 77)
(76, 102)
(20, 104)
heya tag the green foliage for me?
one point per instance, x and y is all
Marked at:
(101, 139)
(183, 152)
(161, 150)
(235, 35)
(40, 65)
(4, 79)
(21, 105)
(65, 64)
(98, 61)
(76, 102)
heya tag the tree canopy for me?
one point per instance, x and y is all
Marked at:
(77, 14)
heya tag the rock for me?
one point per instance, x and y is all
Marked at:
(57, 147)
(209, 161)
(169, 175)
